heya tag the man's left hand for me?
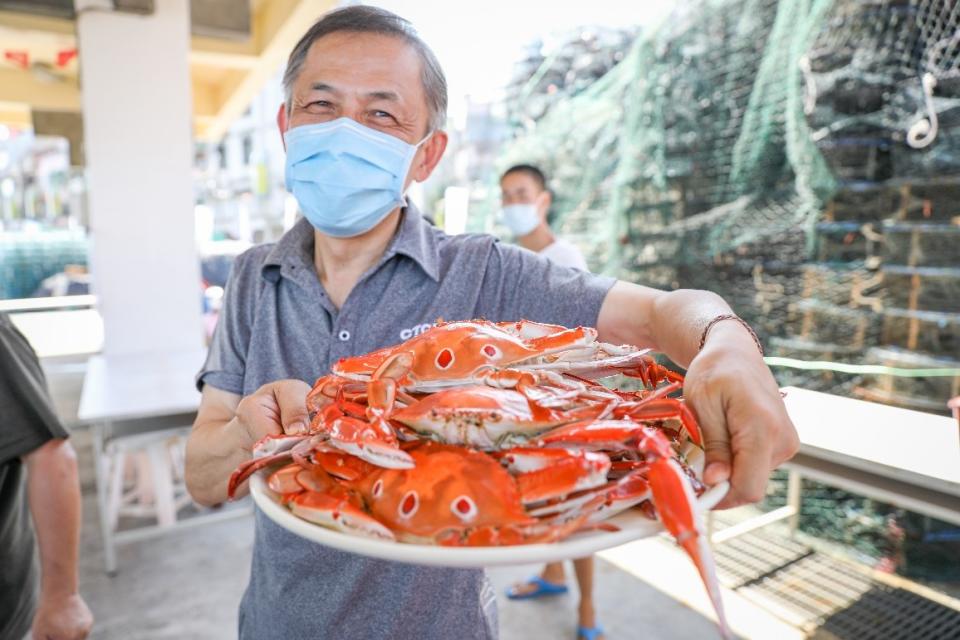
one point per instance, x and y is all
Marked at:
(746, 429)
(62, 618)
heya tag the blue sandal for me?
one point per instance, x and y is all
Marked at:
(589, 633)
(544, 588)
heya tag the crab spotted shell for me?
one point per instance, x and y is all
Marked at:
(450, 489)
(454, 350)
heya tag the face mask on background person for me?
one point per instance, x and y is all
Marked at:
(346, 177)
(521, 219)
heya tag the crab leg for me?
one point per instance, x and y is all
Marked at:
(681, 514)
(488, 536)
(615, 497)
(629, 491)
(657, 407)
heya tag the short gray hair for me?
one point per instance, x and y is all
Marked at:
(365, 19)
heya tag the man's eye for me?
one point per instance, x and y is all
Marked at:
(381, 114)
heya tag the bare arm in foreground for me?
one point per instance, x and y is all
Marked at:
(53, 491)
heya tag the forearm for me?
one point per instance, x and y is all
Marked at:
(680, 317)
(214, 450)
(53, 490)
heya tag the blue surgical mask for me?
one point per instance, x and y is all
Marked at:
(345, 176)
(521, 219)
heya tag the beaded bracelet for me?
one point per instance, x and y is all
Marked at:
(729, 316)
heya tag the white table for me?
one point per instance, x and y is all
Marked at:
(907, 458)
(139, 387)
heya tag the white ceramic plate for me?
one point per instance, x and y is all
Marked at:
(633, 526)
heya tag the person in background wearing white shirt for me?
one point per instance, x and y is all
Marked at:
(526, 202)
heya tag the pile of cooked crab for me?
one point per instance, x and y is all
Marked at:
(480, 433)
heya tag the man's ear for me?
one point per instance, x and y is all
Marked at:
(429, 156)
(282, 123)
(547, 202)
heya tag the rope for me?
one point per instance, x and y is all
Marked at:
(871, 369)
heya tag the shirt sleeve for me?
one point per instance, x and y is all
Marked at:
(226, 359)
(27, 416)
(565, 254)
(519, 284)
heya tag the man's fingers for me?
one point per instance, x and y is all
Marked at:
(751, 465)
(716, 442)
(259, 416)
(291, 396)
(717, 467)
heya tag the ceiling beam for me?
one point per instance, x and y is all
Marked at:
(226, 74)
(276, 27)
(30, 22)
(24, 88)
(215, 52)
(15, 114)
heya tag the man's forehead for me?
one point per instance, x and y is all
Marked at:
(362, 58)
(518, 181)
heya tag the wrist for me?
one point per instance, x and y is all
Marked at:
(730, 330)
(58, 592)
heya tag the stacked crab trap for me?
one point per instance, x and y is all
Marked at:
(479, 443)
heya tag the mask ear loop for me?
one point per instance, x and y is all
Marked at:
(412, 154)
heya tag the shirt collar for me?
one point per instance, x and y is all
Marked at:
(415, 238)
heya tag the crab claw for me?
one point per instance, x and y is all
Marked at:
(337, 513)
(367, 442)
(681, 514)
(284, 480)
(607, 435)
(267, 451)
(542, 474)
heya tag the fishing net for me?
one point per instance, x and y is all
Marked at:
(799, 157)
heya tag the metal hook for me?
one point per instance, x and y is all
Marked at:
(924, 131)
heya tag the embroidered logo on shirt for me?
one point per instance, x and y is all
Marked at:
(406, 334)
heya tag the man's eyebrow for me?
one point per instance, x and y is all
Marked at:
(322, 86)
(392, 96)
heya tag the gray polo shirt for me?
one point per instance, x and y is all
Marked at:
(277, 322)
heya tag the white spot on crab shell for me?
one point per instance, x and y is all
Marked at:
(378, 488)
(409, 505)
(464, 508)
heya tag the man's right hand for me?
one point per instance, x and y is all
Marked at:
(273, 409)
(228, 426)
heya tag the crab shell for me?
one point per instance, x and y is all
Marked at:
(450, 492)
(481, 416)
(451, 353)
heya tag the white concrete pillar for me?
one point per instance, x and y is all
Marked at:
(135, 84)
